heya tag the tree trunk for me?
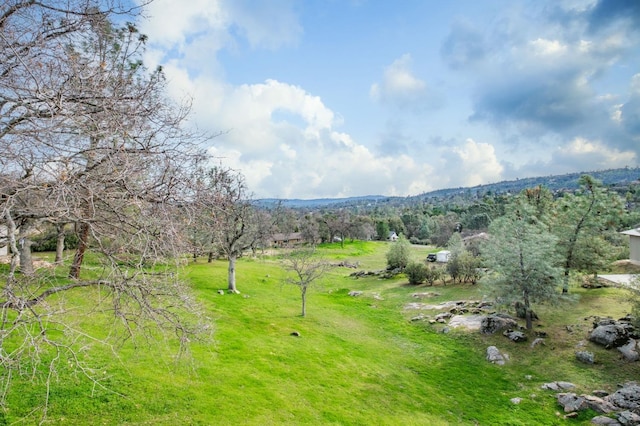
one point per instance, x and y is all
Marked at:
(210, 258)
(303, 292)
(59, 244)
(232, 273)
(83, 244)
(26, 261)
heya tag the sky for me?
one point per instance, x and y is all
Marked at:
(338, 98)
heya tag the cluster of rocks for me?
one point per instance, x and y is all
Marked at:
(619, 334)
(345, 264)
(380, 273)
(619, 408)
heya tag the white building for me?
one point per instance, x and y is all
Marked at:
(634, 245)
(443, 256)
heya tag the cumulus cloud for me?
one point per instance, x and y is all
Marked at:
(402, 89)
(478, 161)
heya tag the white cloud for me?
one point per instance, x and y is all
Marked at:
(401, 88)
(479, 162)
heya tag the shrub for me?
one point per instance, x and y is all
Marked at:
(416, 272)
(398, 254)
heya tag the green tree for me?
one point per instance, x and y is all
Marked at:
(398, 254)
(521, 257)
(382, 230)
(580, 217)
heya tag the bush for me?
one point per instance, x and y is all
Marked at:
(416, 272)
(398, 254)
(433, 274)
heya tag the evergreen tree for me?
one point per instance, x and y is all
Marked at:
(521, 256)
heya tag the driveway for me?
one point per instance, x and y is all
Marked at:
(623, 280)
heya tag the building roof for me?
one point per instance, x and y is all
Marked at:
(633, 232)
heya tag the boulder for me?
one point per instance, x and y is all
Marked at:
(598, 404)
(494, 356)
(355, 293)
(610, 335)
(494, 323)
(626, 398)
(585, 357)
(571, 402)
(628, 418)
(630, 350)
(604, 420)
(558, 386)
(515, 336)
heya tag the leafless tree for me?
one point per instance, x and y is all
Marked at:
(304, 269)
(88, 137)
(236, 224)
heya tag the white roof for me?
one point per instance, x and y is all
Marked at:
(633, 232)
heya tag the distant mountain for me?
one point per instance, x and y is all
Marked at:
(614, 178)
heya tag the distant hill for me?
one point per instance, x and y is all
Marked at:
(615, 178)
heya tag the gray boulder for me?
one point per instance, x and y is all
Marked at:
(555, 386)
(495, 357)
(630, 350)
(610, 335)
(628, 418)
(493, 323)
(571, 402)
(515, 336)
(627, 397)
(585, 357)
(604, 420)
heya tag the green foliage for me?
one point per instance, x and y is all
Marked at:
(398, 254)
(47, 241)
(521, 258)
(416, 272)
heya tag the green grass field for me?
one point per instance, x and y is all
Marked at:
(357, 361)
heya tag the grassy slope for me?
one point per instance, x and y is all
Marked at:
(359, 360)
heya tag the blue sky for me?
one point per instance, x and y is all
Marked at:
(329, 98)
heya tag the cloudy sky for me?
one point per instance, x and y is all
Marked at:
(336, 98)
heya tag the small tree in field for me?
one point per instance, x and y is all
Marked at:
(304, 268)
(398, 254)
(416, 273)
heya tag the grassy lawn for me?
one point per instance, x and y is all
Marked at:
(358, 360)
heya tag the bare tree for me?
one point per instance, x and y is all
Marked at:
(237, 225)
(304, 268)
(87, 137)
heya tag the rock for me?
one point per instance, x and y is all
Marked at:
(571, 402)
(628, 418)
(610, 335)
(443, 317)
(604, 420)
(355, 293)
(494, 323)
(423, 295)
(515, 336)
(628, 397)
(538, 341)
(599, 404)
(470, 322)
(420, 317)
(585, 357)
(221, 292)
(295, 333)
(494, 356)
(600, 392)
(630, 351)
(516, 400)
(555, 386)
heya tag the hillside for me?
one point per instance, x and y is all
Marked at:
(622, 177)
